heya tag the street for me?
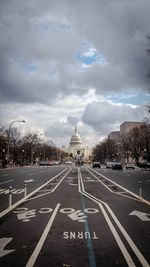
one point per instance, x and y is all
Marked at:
(74, 217)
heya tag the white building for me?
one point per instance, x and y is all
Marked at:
(77, 148)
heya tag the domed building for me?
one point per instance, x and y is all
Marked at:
(77, 149)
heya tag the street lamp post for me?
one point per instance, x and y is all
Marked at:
(8, 155)
(3, 158)
(145, 150)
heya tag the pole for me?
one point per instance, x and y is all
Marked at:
(25, 189)
(44, 152)
(140, 189)
(10, 196)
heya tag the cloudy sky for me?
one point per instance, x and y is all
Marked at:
(66, 62)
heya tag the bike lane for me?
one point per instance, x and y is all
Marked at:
(60, 228)
(130, 216)
(31, 178)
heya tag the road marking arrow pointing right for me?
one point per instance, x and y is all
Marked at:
(141, 215)
(3, 242)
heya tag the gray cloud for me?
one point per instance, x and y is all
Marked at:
(42, 32)
(73, 120)
(105, 117)
(118, 30)
(39, 44)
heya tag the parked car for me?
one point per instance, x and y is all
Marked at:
(130, 166)
(109, 165)
(143, 165)
(117, 166)
(96, 164)
(43, 163)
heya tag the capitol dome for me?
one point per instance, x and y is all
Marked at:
(76, 148)
(75, 139)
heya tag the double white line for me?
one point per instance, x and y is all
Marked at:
(108, 213)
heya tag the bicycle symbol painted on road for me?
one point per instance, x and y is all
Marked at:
(25, 214)
(78, 215)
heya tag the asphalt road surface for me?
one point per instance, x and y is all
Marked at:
(74, 217)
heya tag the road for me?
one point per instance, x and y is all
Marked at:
(75, 217)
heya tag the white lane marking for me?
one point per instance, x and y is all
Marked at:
(39, 246)
(13, 191)
(123, 188)
(4, 212)
(128, 238)
(118, 239)
(29, 181)
(133, 198)
(50, 190)
(141, 215)
(6, 181)
(27, 215)
(123, 231)
(3, 243)
(72, 184)
(112, 228)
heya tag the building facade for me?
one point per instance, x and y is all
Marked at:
(76, 147)
(115, 135)
(127, 126)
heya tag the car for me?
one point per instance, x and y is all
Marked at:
(43, 163)
(144, 165)
(130, 166)
(109, 164)
(68, 162)
(117, 166)
(96, 164)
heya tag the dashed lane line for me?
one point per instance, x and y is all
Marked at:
(121, 187)
(4, 212)
(51, 190)
(6, 182)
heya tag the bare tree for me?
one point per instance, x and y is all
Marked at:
(29, 142)
(108, 149)
(15, 141)
(125, 146)
(146, 139)
(136, 142)
(3, 146)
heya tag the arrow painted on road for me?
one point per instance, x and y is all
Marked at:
(3, 242)
(141, 215)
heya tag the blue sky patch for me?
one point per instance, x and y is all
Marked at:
(30, 67)
(90, 56)
(130, 98)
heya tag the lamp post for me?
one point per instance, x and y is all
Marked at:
(3, 158)
(8, 156)
(145, 151)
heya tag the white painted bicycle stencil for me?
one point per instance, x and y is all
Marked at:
(25, 215)
(78, 215)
